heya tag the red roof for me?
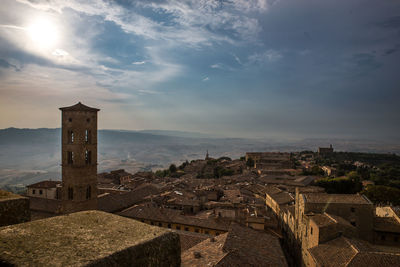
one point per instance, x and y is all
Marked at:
(79, 107)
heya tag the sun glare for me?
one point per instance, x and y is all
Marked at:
(43, 33)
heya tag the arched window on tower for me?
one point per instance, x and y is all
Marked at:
(88, 157)
(88, 192)
(70, 137)
(70, 193)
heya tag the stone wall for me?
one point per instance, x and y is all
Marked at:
(13, 208)
(45, 205)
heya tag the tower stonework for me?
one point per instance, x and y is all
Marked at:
(79, 158)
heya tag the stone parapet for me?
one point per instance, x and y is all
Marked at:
(88, 238)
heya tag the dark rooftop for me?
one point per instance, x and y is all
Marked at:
(45, 184)
(79, 107)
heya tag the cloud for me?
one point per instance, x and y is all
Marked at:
(392, 22)
(6, 64)
(216, 66)
(60, 53)
(237, 59)
(206, 79)
(221, 67)
(139, 62)
(264, 57)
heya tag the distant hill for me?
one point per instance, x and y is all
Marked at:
(180, 134)
(31, 155)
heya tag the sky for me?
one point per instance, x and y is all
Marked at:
(238, 68)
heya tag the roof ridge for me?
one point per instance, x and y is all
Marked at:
(330, 217)
(355, 254)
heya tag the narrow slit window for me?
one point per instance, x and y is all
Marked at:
(70, 157)
(70, 193)
(88, 157)
(88, 192)
(70, 137)
(87, 136)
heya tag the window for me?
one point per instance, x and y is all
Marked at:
(353, 223)
(196, 230)
(160, 224)
(88, 157)
(383, 237)
(70, 119)
(33, 191)
(186, 229)
(70, 137)
(70, 193)
(396, 239)
(216, 233)
(70, 157)
(311, 230)
(151, 223)
(40, 192)
(206, 232)
(87, 136)
(88, 120)
(353, 209)
(88, 192)
(178, 228)
(169, 225)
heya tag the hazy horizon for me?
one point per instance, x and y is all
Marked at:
(253, 69)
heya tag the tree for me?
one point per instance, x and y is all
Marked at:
(172, 168)
(384, 195)
(339, 185)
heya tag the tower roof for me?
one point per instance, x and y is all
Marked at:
(79, 107)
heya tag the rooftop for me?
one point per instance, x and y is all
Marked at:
(79, 107)
(206, 253)
(45, 184)
(83, 238)
(336, 198)
(241, 246)
(352, 252)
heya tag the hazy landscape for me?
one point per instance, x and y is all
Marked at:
(31, 155)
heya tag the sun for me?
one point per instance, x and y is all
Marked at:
(43, 33)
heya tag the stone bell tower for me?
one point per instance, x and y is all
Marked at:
(79, 158)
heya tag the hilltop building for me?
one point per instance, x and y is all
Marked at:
(45, 189)
(323, 151)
